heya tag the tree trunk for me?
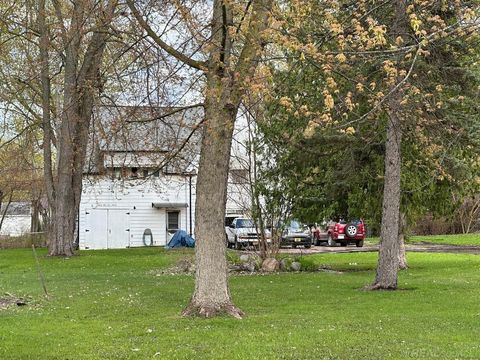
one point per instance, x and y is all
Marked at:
(224, 89)
(388, 260)
(402, 256)
(35, 220)
(211, 295)
(80, 84)
(387, 268)
(2, 219)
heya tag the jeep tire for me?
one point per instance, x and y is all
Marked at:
(351, 230)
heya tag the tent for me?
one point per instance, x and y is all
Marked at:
(181, 239)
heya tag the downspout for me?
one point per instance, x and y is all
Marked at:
(190, 201)
(77, 240)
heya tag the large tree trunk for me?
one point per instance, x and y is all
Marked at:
(80, 86)
(67, 195)
(387, 268)
(211, 296)
(226, 84)
(224, 90)
(388, 260)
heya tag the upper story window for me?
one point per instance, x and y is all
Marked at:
(134, 172)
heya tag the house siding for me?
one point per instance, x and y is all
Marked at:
(135, 198)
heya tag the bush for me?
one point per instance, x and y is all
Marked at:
(308, 263)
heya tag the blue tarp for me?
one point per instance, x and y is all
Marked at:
(181, 239)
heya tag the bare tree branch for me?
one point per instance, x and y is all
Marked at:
(200, 65)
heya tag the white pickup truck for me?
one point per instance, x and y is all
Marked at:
(242, 232)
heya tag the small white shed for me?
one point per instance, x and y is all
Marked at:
(121, 214)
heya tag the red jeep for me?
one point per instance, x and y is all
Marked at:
(342, 232)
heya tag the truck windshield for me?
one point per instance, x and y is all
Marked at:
(245, 223)
(294, 225)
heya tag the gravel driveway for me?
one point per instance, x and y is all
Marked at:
(373, 248)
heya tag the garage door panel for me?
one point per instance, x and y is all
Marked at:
(97, 231)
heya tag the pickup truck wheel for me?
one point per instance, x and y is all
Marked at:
(330, 241)
(360, 243)
(227, 242)
(308, 246)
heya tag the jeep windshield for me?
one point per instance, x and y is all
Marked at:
(245, 223)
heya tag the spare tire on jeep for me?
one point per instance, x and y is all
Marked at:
(351, 230)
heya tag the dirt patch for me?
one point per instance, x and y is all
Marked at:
(10, 300)
(182, 267)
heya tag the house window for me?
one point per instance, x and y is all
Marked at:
(134, 172)
(239, 176)
(145, 173)
(173, 221)
(156, 173)
(117, 173)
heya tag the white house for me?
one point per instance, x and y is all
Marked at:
(17, 219)
(140, 176)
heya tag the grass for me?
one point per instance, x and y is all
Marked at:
(464, 239)
(457, 239)
(114, 305)
(23, 241)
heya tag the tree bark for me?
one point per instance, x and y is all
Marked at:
(402, 256)
(224, 90)
(2, 219)
(212, 296)
(35, 220)
(44, 47)
(80, 86)
(388, 260)
(387, 268)
(225, 85)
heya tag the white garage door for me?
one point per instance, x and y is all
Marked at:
(107, 229)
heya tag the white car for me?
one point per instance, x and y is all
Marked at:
(242, 232)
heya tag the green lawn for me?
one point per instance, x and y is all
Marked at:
(466, 239)
(459, 239)
(114, 305)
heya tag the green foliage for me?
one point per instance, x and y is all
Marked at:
(308, 263)
(113, 305)
(233, 257)
(326, 126)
